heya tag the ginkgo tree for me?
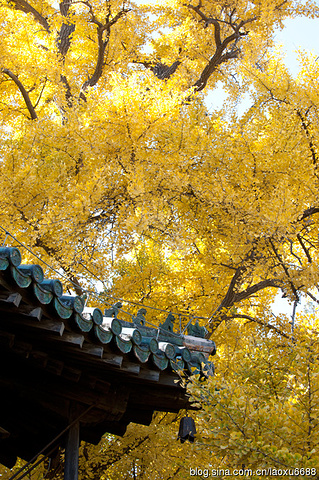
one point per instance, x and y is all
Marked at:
(113, 168)
(105, 145)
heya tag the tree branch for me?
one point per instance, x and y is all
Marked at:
(293, 288)
(256, 320)
(256, 288)
(103, 40)
(217, 59)
(232, 297)
(308, 213)
(64, 37)
(23, 91)
(304, 248)
(305, 127)
(221, 55)
(312, 297)
(25, 7)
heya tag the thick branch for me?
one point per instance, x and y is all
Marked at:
(304, 248)
(64, 37)
(159, 69)
(103, 36)
(68, 93)
(23, 91)
(285, 269)
(221, 54)
(312, 297)
(310, 140)
(256, 288)
(256, 320)
(232, 297)
(308, 213)
(24, 6)
(212, 65)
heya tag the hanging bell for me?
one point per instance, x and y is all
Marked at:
(187, 430)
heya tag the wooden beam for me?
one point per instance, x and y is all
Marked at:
(4, 433)
(112, 359)
(66, 339)
(71, 464)
(11, 300)
(55, 328)
(22, 348)
(147, 374)
(6, 339)
(94, 350)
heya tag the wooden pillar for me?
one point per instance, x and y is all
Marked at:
(71, 463)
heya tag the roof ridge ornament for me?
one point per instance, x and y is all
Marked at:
(113, 310)
(168, 325)
(139, 319)
(196, 330)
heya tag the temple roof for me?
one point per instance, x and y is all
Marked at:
(57, 355)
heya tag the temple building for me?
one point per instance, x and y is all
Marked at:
(70, 373)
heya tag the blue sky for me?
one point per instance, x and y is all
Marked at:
(299, 33)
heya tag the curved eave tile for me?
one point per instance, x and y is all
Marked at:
(142, 353)
(104, 335)
(165, 350)
(43, 295)
(125, 346)
(82, 322)
(160, 360)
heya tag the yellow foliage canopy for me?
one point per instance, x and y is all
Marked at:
(112, 166)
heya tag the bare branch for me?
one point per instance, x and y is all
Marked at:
(159, 69)
(23, 91)
(163, 71)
